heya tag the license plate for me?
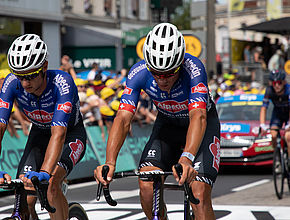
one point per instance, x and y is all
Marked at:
(231, 153)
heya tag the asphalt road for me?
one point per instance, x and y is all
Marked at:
(246, 194)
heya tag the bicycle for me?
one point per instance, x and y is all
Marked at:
(280, 166)
(156, 176)
(21, 212)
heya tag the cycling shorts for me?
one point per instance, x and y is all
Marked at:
(278, 118)
(164, 147)
(73, 150)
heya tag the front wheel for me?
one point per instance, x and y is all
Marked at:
(76, 212)
(278, 172)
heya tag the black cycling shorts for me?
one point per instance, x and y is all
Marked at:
(278, 118)
(164, 147)
(73, 150)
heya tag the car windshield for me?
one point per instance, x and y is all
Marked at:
(240, 111)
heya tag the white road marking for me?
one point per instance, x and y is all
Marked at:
(260, 182)
(103, 211)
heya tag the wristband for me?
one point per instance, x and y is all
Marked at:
(188, 155)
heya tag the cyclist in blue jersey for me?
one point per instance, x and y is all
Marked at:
(279, 93)
(187, 128)
(49, 98)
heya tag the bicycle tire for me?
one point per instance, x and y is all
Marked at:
(278, 172)
(76, 212)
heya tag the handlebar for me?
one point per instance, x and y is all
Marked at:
(145, 174)
(40, 187)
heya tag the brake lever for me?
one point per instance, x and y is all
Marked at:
(41, 190)
(106, 189)
(188, 192)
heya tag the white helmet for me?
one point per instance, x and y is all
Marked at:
(27, 52)
(164, 47)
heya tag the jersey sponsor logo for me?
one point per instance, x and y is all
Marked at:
(65, 107)
(45, 105)
(215, 149)
(195, 105)
(61, 84)
(76, 150)
(39, 115)
(174, 95)
(127, 91)
(172, 106)
(4, 104)
(193, 68)
(127, 107)
(7, 82)
(149, 92)
(199, 88)
(136, 70)
(151, 153)
(2, 120)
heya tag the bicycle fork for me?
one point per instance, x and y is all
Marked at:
(157, 183)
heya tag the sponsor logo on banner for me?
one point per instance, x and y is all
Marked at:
(200, 88)
(76, 150)
(172, 106)
(66, 107)
(216, 152)
(235, 127)
(39, 115)
(127, 91)
(4, 104)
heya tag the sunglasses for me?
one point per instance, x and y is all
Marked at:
(164, 75)
(279, 82)
(28, 76)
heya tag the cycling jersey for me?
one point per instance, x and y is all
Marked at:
(57, 106)
(281, 102)
(190, 91)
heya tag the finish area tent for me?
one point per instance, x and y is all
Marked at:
(277, 26)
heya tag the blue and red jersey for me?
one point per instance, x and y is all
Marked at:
(189, 92)
(57, 106)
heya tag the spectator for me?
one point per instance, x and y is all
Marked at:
(67, 66)
(276, 62)
(94, 74)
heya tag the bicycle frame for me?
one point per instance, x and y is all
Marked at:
(156, 176)
(21, 207)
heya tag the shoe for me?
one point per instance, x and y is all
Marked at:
(278, 168)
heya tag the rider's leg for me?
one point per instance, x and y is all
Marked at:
(274, 134)
(204, 210)
(146, 195)
(287, 138)
(55, 195)
(31, 201)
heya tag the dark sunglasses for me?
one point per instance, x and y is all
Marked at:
(164, 75)
(279, 82)
(29, 76)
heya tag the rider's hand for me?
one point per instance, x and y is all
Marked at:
(98, 174)
(188, 174)
(3, 176)
(263, 129)
(40, 175)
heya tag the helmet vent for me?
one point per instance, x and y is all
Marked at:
(154, 60)
(19, 48)
(156, 32)
(38, 45)
(168, 61)
(161, 47)
(154, 45)
(179, 41)
(175, 58)
(27, 47)
(23, 39)
(160, 61)
(17, 59)
(164, 32)
(31, 38)
(170, 46)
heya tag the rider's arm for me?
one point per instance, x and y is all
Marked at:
(54, 148)
(2, 131)
(195, 132)
(117, 135)
(263, 112)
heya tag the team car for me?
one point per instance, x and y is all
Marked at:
(241, 143)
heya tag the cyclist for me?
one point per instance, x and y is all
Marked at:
(49, 98)
(177, 84)
(279, 93)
